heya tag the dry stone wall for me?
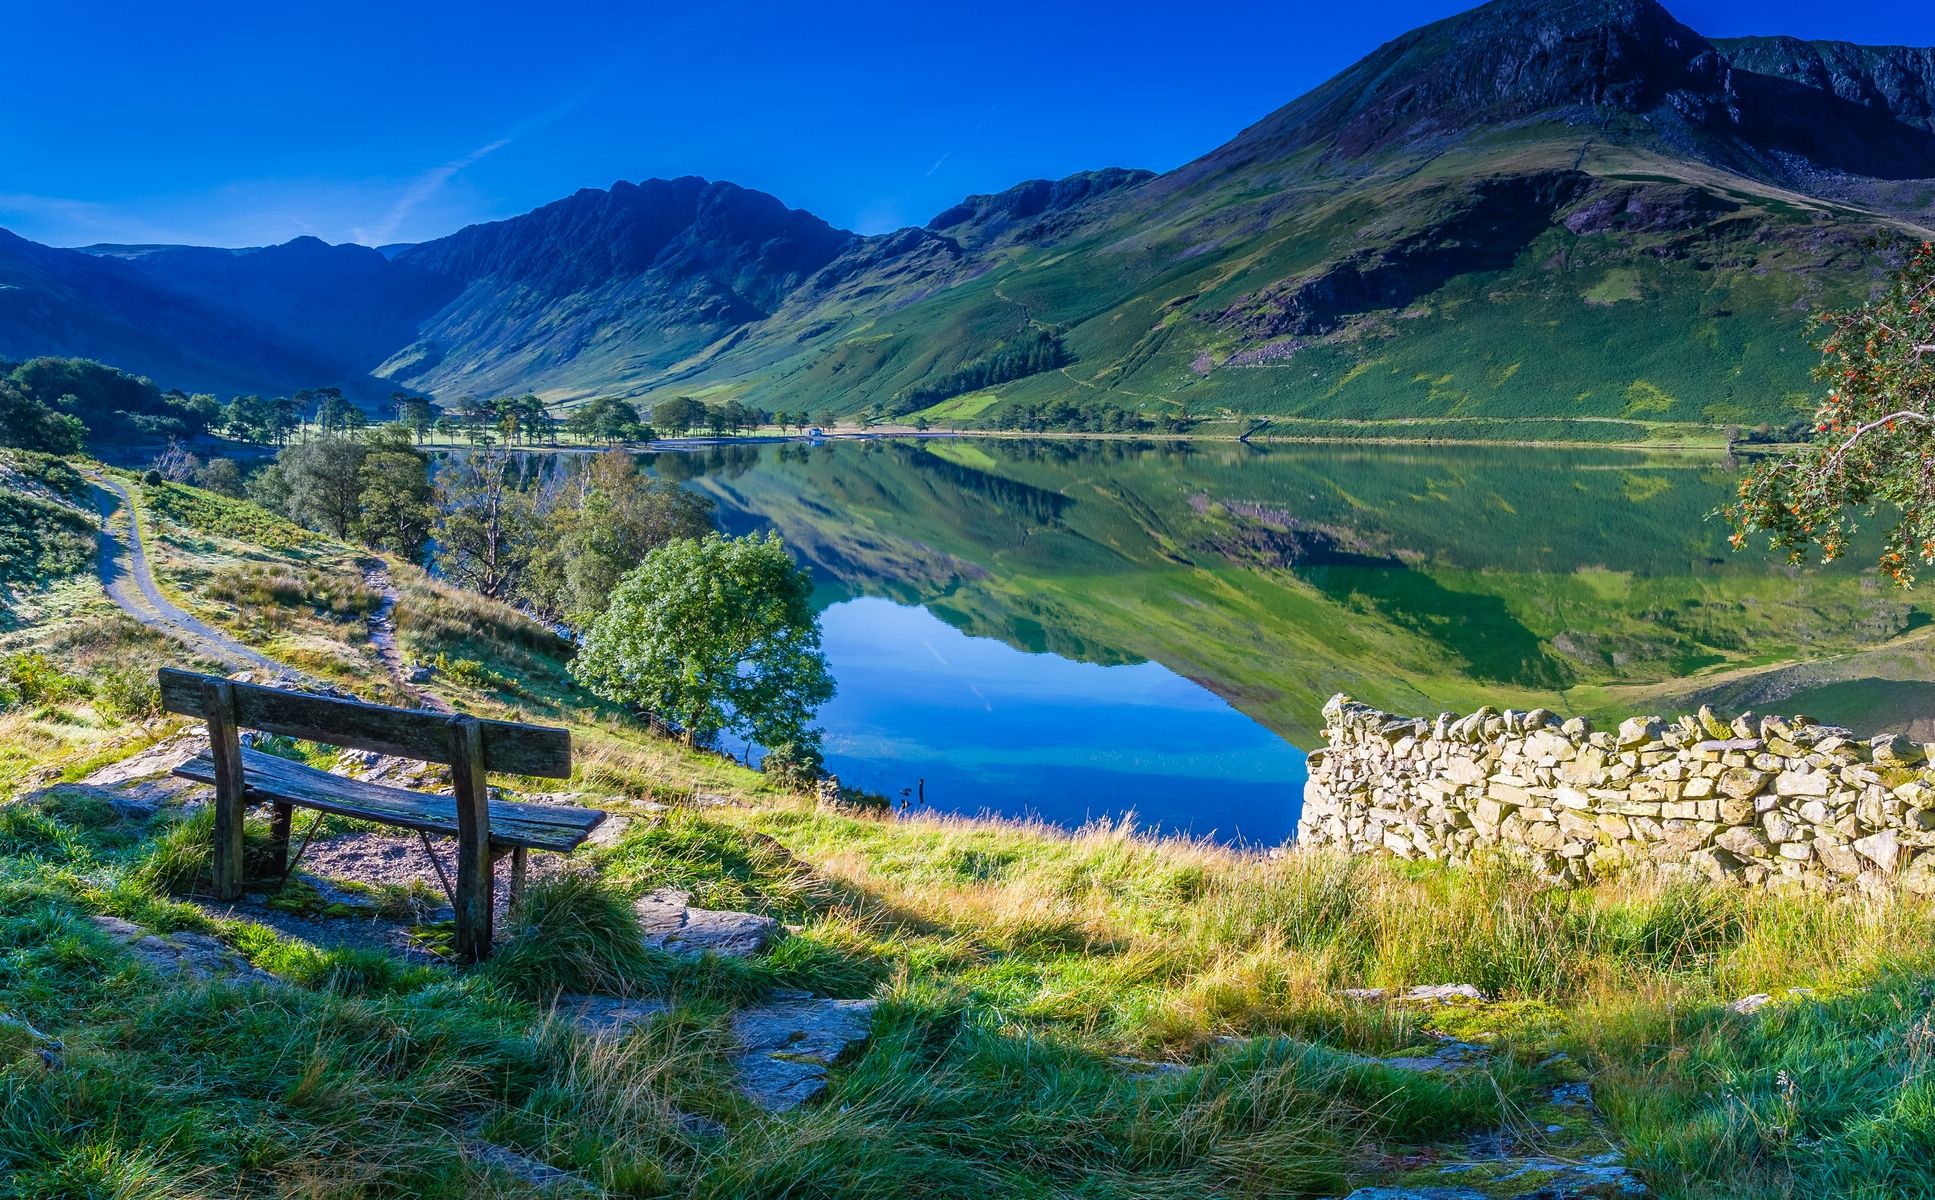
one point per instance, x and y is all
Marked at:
(1760, 800)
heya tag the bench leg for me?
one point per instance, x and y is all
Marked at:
(472, 899)
(279, 819)
(225, 747)
(520, 864)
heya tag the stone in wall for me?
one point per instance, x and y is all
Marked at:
(1758, 800)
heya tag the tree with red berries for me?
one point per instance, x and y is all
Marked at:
(1874, 443)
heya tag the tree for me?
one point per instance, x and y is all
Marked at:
(249, 418)
(714, 635)
(222, 475)
(417, 415)
(677, 415)
(283, 417)
(1874, 436)
(324, 481)
(269, 488)
(332, 411)
(486, 529)
(603, 521)
(175, 464)
(396, 497)
(27, 423)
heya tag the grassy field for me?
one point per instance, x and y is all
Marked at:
(1091, 1015)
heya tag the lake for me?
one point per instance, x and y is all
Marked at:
(1082, 630)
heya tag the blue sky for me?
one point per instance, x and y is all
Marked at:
(245, 124)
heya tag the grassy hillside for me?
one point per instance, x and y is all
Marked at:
(1509, 280)
(46, 525)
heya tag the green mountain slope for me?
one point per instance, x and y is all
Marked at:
(1574, 209)
(1530, 210)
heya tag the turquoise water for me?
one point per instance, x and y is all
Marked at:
(988, 727)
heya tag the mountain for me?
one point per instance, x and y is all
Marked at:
(1525, 212)
(346, 305)
(606, 284)
(69, 302)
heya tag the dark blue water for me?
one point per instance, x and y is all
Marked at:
(995, 729)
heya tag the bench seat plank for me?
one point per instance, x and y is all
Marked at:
(269, 778)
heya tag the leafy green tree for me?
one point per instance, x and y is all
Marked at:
(324, 478)
(396, 497)
(269, 487)
(1874, 436)
(677, 415)
(28, 424)
(417, 415)
(332, 411)
(222, 475)
(714, 635)
(602, 521)
(607, 419)
(284, 417)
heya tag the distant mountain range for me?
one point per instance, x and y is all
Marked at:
(1528, 210)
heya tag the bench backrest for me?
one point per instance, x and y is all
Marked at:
(508, 746)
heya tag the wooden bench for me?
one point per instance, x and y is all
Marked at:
(485, 830)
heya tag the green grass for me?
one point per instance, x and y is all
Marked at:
(46, 531)
(221, 516)
(1013, 964)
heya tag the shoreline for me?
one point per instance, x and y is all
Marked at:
(135, 455)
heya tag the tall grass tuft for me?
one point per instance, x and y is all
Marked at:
(573, 933)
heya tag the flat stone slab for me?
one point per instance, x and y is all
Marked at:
(668, 922)
(196, 955)
(787, 1046)
(1450, 1056)
(1143, 1069)
(1441, 993)
(158, 759)
(1601, 1178)
(605, 1016)
(542, 1178)
(1424, 993)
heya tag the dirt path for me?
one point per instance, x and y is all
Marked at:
(130, 583)
(382, 626)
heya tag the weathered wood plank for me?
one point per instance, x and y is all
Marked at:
(268, 779)
(226, 773)
(472, 898)
(509, 746)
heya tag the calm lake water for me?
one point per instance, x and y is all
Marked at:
(1082, 630)
(973, 723)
